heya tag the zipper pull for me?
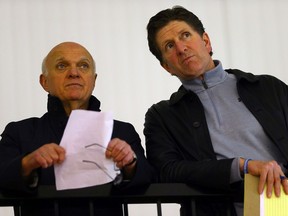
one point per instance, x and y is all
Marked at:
(204, 84)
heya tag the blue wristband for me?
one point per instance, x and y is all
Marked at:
(245, 167)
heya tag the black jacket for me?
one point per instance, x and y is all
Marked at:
(23, 137)
(178, 143)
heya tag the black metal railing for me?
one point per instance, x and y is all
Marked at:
(158, 193)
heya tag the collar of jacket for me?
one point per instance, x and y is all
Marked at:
(54, 104)
(240, 75)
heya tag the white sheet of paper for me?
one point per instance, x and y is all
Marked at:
(85, 140)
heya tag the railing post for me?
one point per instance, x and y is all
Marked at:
(125, 208)
(17, 210)
(228, 207)
(159, 208)
(56, 208)
(193, 207)
(91, 207)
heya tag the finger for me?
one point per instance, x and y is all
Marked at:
(40, 160)
(269, 183)
(277, 184)
(119, 150)
(51, 155)
(262, 182)
(60, 151)
(48, 160)
(113, 142)
(108, 154)
(284, 182)
(124, 154)
(114, 148)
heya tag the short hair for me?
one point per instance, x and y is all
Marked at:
(44, 68)
(162, 18)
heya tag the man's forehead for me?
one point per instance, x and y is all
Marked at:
(69, 54)
(174, 26)
(171, 29)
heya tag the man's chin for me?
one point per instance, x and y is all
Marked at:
(74, 98)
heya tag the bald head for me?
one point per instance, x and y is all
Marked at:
(62, 48)
(69, 74)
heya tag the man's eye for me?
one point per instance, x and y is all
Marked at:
(169, 46)
(186, 34)
(61, 66)
(84, 66)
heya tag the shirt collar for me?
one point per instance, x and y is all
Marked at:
(54, 105)
(211, 78)
(240, 76)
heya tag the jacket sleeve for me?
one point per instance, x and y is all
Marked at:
(10, 161)
(183, 153)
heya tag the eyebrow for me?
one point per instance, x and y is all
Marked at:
(64, 59)
(85, 59)
(178, 33)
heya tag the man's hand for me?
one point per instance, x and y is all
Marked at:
(123, 155)
(45, 156)
(269, 172)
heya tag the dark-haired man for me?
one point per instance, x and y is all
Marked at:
(220, 124)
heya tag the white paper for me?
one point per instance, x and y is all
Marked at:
(85, 140)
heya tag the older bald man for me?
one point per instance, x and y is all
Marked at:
(29, 148)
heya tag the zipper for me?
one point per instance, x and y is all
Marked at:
(204, 83)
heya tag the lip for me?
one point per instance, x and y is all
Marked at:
(73, 84)
(186, 59)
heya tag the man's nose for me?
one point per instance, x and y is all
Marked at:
(74, 72)
(181, 47)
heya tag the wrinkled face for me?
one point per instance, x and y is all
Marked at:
(185, 53)
(70, 75)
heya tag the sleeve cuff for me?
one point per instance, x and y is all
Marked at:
(235, 174)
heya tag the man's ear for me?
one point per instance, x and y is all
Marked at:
(95, 78)
(207, 42)
(43, 81)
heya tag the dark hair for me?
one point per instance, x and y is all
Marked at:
(162, 18)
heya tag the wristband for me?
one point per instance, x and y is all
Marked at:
(133, 161)
(245, 167)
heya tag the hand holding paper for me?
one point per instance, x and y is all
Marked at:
(85, 140)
